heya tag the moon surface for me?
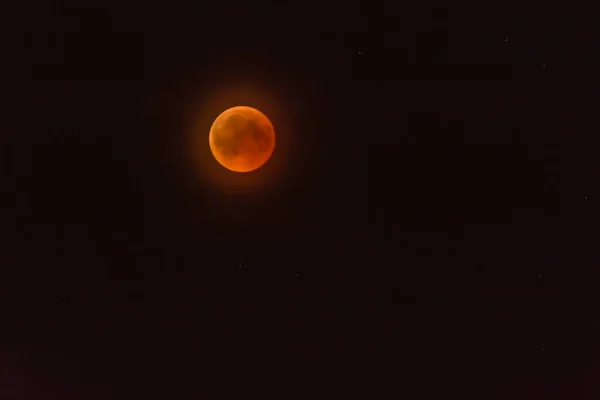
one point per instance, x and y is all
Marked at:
(242, 139)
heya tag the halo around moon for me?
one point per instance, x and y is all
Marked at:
(205, 102)
(242, 139)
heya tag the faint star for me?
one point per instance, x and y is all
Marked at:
(585, 198)
(543, 65)
(240, 265)
(505, 40)
(542, 349)
(309, 28)
(359, 53)
(297, 274)
(539, 276)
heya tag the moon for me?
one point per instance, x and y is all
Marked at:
(242, 139)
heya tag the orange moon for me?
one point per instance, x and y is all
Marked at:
(242, 139)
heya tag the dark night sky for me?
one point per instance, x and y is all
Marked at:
(427, 228)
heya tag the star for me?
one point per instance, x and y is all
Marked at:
(297, 274)
(360, 53)
(585, 198)
(505, 40)
(543, 65)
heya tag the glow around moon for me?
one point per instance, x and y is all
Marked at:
(242, 139)
(208, 169)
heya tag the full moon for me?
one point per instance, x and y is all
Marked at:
(242, 139)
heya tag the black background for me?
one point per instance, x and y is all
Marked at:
(431, 229)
